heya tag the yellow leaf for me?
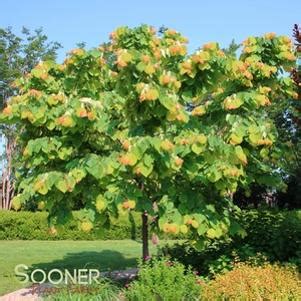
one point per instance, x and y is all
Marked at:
(235, 139)
(198, 111)
(100, 203)
(241, 155)
(149, 69)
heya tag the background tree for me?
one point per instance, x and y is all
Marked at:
(292, 197)
(232, 49)
(111, 126)
(18, 55)
(287, 119)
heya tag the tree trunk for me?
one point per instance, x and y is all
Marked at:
(7, 180)
(145, 249)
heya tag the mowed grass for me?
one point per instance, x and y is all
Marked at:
(47, 255)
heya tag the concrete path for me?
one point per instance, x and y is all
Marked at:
(26, 294)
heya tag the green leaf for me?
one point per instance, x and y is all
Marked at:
(62, 185)
(202, 229)
(141, 66)
(241, 155)
(139, 148)
(200, 244)
(210, 208)
(167, 102)
(43, 189)
(148, 160)
(234, 228)
(156, 142)
(95, 53)
(212, 233)
(254, 137)
(69, 83)
(197, 148)
(37, 72)
(214, 175)
(187, 96)
(78, 174)
(95, 167)
(66, 183)
(64, 152)
(144, 169)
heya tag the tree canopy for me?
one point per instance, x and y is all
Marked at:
(139, 124)
(18, 55)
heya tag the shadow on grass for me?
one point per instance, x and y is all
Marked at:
(106, 260)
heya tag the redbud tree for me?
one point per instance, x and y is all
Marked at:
(138, 124)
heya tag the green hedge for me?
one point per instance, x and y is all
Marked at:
(273, 232)
(33, 226)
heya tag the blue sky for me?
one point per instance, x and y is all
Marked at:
(69, 22)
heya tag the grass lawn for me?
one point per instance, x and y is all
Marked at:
(46, 255)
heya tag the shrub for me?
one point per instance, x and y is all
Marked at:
(103, 291)
(275, 233)
(272, 235)
(34, 226)
(217, 257)
(245, 282)
(163, 280)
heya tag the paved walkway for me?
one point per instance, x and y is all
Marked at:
(26, 294)
(34, 293)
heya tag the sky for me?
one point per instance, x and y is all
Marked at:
(91, 21)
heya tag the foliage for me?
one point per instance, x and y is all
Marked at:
(151, 129)
(103, 291)
(291, 198)
(232, 48)
(287, 119)
(271, 235)
(293, 195)
(163, 280)
(18, 55)
(246, 282)
(288, 122)
(272, 232)
(216, 258)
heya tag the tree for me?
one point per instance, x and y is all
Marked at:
(286, 117)
(18, 55)
(137, 124)
(292, 197)
(232, 48)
